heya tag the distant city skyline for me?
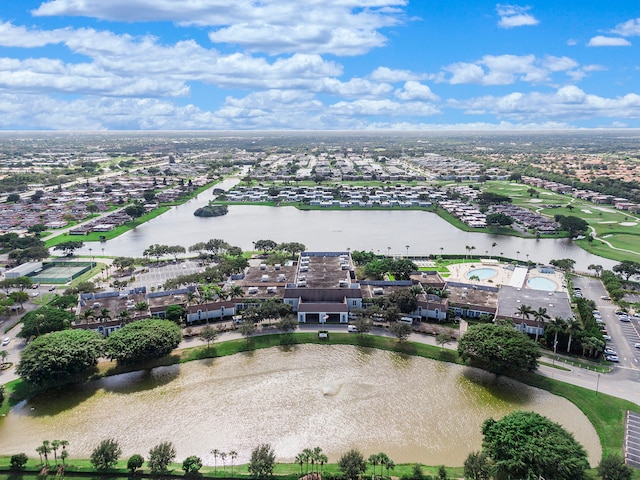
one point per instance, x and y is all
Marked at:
(318, 65)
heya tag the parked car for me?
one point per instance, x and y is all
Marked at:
(624, 318)
(605, 297)
(610, 351)
(352, 329)
(637, 345)
(612, 358)
(621, 312)
(608, 337)
(6, 341)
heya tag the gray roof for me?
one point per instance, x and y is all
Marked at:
(511, 298)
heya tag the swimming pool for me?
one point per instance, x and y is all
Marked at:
(482, 273)
(542, 283)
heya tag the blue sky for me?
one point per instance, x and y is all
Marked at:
(318, 64)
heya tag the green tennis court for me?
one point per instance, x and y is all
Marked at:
(60, 272)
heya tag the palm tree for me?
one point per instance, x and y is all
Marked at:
(55, 444)
(307, 457)
(386, 462)
(322, 459)
(524, 311)
(105, 315)
(317, 454)
(441, 251)
(223, 457)
(235, 291)
(558, 325)
(374, 459)
(407, 247)
(573, 327)
(299, 460)
(492, 247)
(233, 454)
(39, 450)
(46, 449)
(472, 248)
(540, 316)
(468, 249)
(4, 354)
(215, 453)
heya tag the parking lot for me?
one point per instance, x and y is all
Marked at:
(624, 334)
(632, 440)
(155, 275)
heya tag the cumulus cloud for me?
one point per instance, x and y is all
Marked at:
(390, 75)
(413, 90)
(515, 16)
(602, 41)
(630, 28)
(506, 69)
(569, 102)
(340, 27)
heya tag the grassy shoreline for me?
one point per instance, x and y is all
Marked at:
(606, 413)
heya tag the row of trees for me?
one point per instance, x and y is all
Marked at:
(57, 357)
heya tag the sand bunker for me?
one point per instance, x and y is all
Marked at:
(628, 224)
(609, 221)
(586, 210)
(535, 200)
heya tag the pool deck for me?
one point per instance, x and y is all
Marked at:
(504, 275)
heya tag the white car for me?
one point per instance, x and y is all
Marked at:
(612, 358)
(352, 329)
(637, 345)
(609, 351)
(608, 337)
(6, 341)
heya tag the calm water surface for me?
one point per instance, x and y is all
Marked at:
(335, 397)
(381, 231)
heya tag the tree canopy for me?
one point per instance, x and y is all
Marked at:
(44, 320)
(498, 348)
(352, 464)
(143, 340)
(528, 445)
(106, 454)
(69, 247)
(573, 225)
(55, 357)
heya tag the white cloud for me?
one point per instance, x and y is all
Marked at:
(390, 75)
(506, 69)
(383, 107)
(565, 103)
(630, 28)
(340, 27)
(141, 66)
(19, 36)
(413, 90)
(602, 41)
(515, 16)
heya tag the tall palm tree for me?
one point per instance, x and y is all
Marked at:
(557, 325)
(55, 444)
(374, 459)
(317, 454)
(492, 247)
(215, 453)
(46, 449)
(573, 327)
(299, 460)
(525, 311)
(540, 316)
(233, 454)
(223, 457)
(39, 450)
(307, 457)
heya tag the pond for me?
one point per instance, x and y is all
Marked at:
(334, 397)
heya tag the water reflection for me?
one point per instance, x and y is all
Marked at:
(335, 397)
(331, 230)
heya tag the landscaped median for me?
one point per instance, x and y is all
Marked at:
(605, 412)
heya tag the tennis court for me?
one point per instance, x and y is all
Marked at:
(60, 272)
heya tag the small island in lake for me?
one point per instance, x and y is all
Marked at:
(211, 211)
